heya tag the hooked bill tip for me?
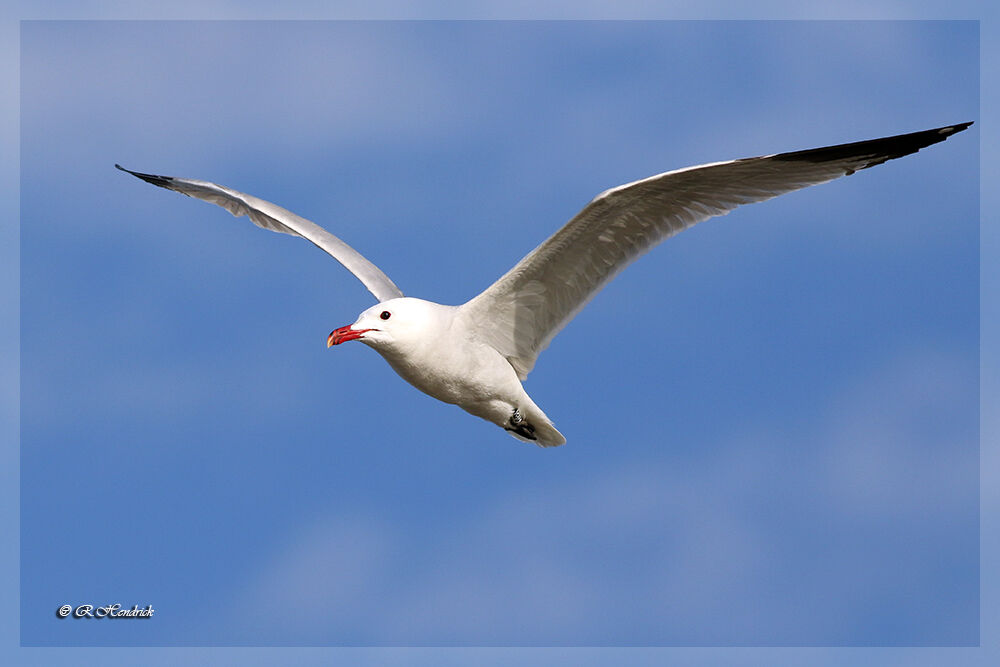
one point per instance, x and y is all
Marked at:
(344, 334)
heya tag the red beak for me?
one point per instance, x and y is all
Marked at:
(344, 334)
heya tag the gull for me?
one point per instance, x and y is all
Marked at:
(476, 355)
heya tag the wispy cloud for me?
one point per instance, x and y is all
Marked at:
(748, 541)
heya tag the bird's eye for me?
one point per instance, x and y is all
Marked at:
(385, 315)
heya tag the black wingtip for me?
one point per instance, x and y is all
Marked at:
(953, 129)
(162, 181)
(876, 151)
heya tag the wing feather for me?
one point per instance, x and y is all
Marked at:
(270, 216)
(522, 311)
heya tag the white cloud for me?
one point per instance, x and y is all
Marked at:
(699, 549)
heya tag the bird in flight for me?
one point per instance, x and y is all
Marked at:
(476, 355)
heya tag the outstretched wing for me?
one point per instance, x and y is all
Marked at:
(269, 216)
(521, 312)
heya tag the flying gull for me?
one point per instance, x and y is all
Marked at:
(476, 355)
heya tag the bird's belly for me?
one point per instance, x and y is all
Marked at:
(478, 376)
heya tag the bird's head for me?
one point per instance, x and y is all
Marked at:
(392, 324)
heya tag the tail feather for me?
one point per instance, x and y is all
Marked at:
(537, 428)
(547, 435)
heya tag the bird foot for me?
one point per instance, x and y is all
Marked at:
(521, 427)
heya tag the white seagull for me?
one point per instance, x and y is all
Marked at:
(477, 354)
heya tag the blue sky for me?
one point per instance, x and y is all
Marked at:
(784, 452)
